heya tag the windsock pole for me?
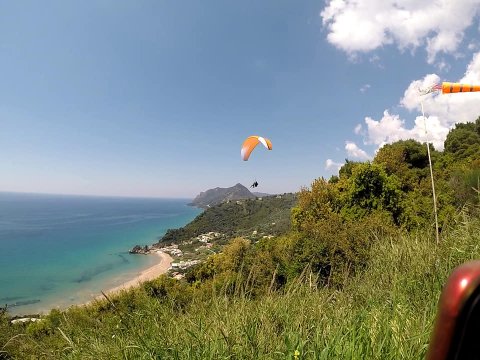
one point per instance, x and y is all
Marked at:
(431, 176)
(445, 88)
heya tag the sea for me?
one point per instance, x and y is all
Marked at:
(59, 250)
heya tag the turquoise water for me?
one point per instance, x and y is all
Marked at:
(58, 250)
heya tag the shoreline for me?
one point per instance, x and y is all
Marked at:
(87, 297)
(148, 274)
(165, 261)
(85, 250)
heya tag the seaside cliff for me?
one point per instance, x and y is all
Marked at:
(219, 195)
(253, 217)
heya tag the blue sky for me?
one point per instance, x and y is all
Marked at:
(154, 98)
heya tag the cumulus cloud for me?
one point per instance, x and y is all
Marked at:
(332, 165)
(449, 108)
(442, 112)
(364, 25)
(355, 152)
(391, 128)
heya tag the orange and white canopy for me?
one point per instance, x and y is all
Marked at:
(251, 142)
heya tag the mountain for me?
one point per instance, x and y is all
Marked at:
(263, 216)
(218, 195)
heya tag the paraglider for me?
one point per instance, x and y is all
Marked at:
(251, 142)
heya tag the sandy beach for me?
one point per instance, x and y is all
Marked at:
(148, 274)
(87, 296)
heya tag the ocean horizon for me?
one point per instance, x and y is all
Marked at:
(62, 250)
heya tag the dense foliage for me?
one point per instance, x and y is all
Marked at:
(353, 271)
(269, 215)
(384, 312)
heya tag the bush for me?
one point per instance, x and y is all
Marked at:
(168, 290)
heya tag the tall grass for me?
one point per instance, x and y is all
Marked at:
(385, 312)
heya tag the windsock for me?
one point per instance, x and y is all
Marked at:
(448, 87)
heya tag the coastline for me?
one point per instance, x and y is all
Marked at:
(64, 251)
(145, 275)
(88, 296)
(165, 261)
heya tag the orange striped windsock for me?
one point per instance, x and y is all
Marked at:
(448, 87)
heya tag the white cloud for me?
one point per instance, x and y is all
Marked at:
(472, 46)
(330, 164)
(365, 88)
(386, 130)
(354, 151)
(391, 128)
(442, 112)
(443, 66)
(358, 129)
(449, 108)
(364, 25)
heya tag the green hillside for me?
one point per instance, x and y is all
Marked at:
(385, 312)
(353, 271)
(268, 216)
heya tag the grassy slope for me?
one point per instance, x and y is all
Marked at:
(385, 313)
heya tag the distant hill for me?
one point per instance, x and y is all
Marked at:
(259, 194)
(218, 195)
(263, 216)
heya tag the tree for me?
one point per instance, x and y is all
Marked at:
(347, 168)
(315, 204)
(371, 188)
(464, 141)
(407, 160)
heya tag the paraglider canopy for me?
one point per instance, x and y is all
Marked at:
(251, 142)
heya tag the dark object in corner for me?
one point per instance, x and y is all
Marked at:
(457, 326)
